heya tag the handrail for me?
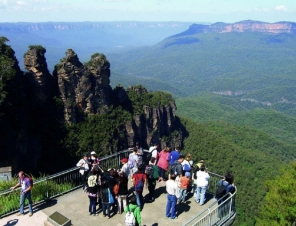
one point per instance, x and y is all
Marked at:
(56, 184)
(216, 211)
(72, 179)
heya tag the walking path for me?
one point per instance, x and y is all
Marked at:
(74, 206)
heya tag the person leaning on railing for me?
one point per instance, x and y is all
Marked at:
(26, 186)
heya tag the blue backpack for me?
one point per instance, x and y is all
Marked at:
(140, 185)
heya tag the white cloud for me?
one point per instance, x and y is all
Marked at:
(20, 3)
(3, 2)
(281, 8)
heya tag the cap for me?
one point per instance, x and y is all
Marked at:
(124, 160)
(93, 153)
(201, 161)
(187, 174)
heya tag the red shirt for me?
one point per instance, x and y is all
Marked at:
(139, 176)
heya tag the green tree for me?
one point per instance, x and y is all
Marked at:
(279, 207)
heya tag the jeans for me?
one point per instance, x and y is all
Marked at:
(161, 172)
(106, 206)
(121, 206)
(92, 205)
(23, 197)
(200, 194)
(139, 197)
(171, 206)
(183, 192)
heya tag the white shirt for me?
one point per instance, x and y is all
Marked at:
(202, 179)
(171, 187)
(153, 149)
(125, 169)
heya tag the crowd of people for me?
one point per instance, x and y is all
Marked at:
(179, 173)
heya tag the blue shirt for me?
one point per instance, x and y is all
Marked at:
(174, 155)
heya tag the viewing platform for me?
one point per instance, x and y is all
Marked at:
(74, 203)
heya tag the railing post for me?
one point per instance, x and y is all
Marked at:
(47, 193)
(230, 204)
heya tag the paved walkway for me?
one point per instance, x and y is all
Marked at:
(74, 205)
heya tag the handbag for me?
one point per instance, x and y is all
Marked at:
(111, 199)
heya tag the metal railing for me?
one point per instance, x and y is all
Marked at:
(54, 185)
(220, 212)
(60, 183)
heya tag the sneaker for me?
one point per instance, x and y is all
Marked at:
(197, 201)
(194, 195)
(20, 214)
(95, 214)
(90, 213)
(30, 214)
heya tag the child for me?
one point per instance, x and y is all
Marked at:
(184, 183)
(132, 207)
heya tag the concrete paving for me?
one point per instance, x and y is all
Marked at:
(74, 205)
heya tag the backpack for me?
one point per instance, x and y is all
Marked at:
(221, 191)
(116, 189)
(149, 154)
(186, 167)
(130, 163)
(31, 180)
(130, 219)
(140, 185)
(149, 171)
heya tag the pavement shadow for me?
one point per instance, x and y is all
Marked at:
(183, 207)
(45, 205)
(11, 222)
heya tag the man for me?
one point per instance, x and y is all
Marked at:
(174, 155)
(172, 189)
(133, 162)
(139, 179)
(152, 177)
(153, 152)
(26, 186)
(84, 169)
(177, 168)
(125, 169)
(139, 153)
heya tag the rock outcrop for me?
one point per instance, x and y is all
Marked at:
(84, 89)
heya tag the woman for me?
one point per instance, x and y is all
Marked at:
(92, 190)
(202, 182)
(122, 193)
(106, 198)
(163, 162)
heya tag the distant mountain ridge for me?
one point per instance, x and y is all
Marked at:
(242, 26)
(47, 26)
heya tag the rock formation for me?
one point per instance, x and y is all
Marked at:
(242, 26)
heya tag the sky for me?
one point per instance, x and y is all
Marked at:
(207, 11)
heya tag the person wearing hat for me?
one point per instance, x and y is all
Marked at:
(84, 169)
(184, 183)
(93, 159)
(202, 182)
(125, 169)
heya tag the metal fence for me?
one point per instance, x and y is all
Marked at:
(54, 185)
(57, 184)
(220, 212)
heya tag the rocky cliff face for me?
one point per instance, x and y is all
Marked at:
(32, 125)
(242, 26)
(86, 89)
